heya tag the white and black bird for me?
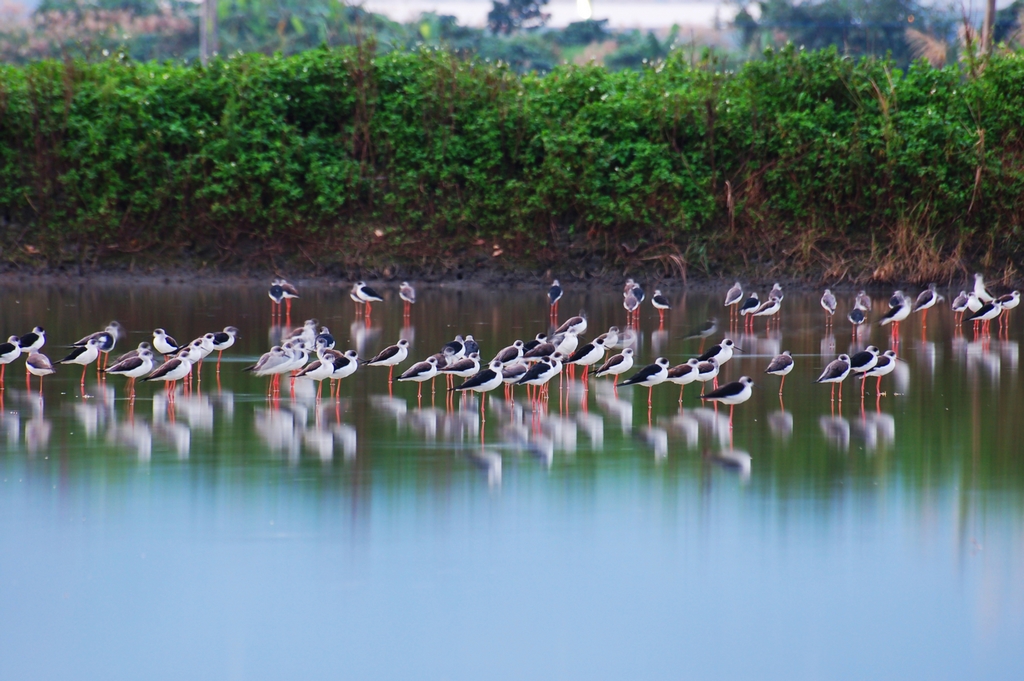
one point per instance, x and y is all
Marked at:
(1006, 303)
(133, 367)
(588, 355)
(925, 300)
(465, 367)
(781, 365)
(325, 337)
(163, 343)
(768, 309)
(660, 303)
(630, 303)
(544, 348)
(863, 300)
(749, 307)
(483, 382)
(391, 356)
(222, 340)
(650, 376)
(39, 365)
(776, 292)
(9, 351)
(707, 371)
(366, 295)
(537, 340)
(510, 355)
(471, 345)
(616, 365)
(408, 295)
(683, 375)
(542, 372)
(33, 340)
(345, 364)
(83, 355)
(511, 375)
(173, 370)
(959, 305)
(567, 343)
(317, 370)
(884, 366)
(986, 313)
(864, 361)
(733, 297)
(134, 352)
(577, 325)
(980, 290)
(457, 346)
(721, 353)
(828, 303)
(732, 394)
(420, 372)
(610, 337)
(554, 295)
(900, 307)
(857, 316)
(836, 372)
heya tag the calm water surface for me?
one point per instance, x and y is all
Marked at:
(228, 536)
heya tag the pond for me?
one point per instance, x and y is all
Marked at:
(225, 534)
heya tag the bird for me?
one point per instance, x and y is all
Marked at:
(9, 351)
(163, 343)
(510, 355)
(457, 346)
(899, 310)
(767, 309)
(863, 300)
(408, 295)
(83, 355)
(483, 382)
(317, 370)
(390, 357)
(39, 365)
(980, 290)
(776, 292)
(32, 341)
(636, 290)
(366, 295)
(172, 371)
(420, 372)
(660, 303)
(133, 352)
(750, 305)
(732, 394)
(1007, 302)
(470, 344)
(541, 350)
(345, 364)
(630, 302)
(884, 366)
(836, 372)
(857, 316)
(733, 297)
(925, 300)
(542, 372)
(577, 325)
(704, 331)
(554, 295)
(276, 294)
(588, 355)
(465, 367)
(610, 337)
(683, 374)
(325, 336)
(538, 339)
(650, 376)
(986, 313)
(616, 365)
(133, 367)
(959, 305)
(721, 353)
(105, 340)
(828, 303)
(864, 361)
(289, 293)
(781, 365)
(567, 343)
(707, 371)
(222, 340)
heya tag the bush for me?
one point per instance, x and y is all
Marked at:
(805, 160)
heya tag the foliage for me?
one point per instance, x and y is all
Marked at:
(802, 160)
(508, 16)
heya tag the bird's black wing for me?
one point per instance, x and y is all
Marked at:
(642, 375)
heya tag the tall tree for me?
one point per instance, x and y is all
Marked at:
(512, 15)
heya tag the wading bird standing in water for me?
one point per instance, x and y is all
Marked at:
(554, 295)
(83, 355)
(39, 365)
(408, 295)
(781, 365)
(732, 299)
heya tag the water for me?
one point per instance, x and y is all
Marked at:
(228, 536)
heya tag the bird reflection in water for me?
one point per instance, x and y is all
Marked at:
(655, 438)
(836, 430)
(734, 460)
(135, 435)
(876, 429)
(781, 424)
(38, 428)
(617, 409)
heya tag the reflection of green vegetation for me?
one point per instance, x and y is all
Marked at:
(807, 158)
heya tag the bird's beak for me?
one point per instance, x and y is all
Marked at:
(737, 348)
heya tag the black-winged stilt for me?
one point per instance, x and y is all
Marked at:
(39, 365)
(367, 295)
(660, 303)
(510, 355)
(420, 372)
(83, 355)
(587, 355)
(9, 351)
(616, 365)
(173, 370)
(163, 343)
(483, 382)
(959, 305)
(650, 376)
(133, 367)
(863, 300)
(836, 372)
(980, 290)
(732, 394)
(885, 365)
(390, 357)
(925, 300)
(577, 324)
(750, 306)
(721, 352)
(864, 361)
(707, 371)
(222, 340)
(408, 295)
(733, 297)
(828, 303)
(554, 295)
(683, 374)
(781, 365)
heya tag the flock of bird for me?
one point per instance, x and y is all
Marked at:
(309, 352)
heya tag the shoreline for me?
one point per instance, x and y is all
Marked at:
(182, 276)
